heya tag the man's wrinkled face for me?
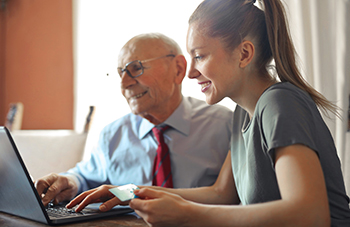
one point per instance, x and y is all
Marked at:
(154, 89)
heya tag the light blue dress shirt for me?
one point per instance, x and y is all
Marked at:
(198, 141)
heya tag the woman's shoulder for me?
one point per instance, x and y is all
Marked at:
(284, 93)
(284, 89)
(286, 98)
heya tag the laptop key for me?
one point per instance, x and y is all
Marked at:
(60, 212)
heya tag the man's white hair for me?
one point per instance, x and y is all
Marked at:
(173, 46)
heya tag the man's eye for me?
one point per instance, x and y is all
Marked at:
(134, 68)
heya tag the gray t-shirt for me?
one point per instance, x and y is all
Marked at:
(284, 115)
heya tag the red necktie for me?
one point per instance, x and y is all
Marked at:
(162, 166)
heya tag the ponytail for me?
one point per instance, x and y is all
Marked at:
(283, 53)
(232, 20)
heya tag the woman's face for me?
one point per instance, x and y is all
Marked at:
(216, 70)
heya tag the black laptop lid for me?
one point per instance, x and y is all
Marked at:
(18, 195)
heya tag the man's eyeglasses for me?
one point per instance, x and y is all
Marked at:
(135, 68)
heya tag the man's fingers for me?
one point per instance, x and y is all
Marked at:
(44, 183)
(62, 196)
(79, 198)
(100, 194)
(51, 193)
(57, 185)
(109, 204)
(92, 196)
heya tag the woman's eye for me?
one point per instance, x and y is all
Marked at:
(197, 58)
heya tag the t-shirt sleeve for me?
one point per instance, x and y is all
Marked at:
(286, 118)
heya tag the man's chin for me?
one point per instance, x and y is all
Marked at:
(145, 115)
(142, 112)
(136, 110)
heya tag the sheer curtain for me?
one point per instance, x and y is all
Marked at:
(322, 38)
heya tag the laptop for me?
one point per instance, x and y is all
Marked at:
(19, 197)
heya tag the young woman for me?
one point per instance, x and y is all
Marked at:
(283, 168)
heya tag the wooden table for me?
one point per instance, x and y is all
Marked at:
(7, 220)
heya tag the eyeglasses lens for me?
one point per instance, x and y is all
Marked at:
(134, 69)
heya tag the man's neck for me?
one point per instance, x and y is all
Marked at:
(159, 116)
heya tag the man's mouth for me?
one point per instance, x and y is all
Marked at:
(138, 95)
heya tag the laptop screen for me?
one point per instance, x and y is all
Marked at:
(18, 195)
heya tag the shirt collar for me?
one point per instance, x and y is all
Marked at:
(180, 120)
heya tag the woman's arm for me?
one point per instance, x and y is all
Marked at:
(223, 191)
(304, 199)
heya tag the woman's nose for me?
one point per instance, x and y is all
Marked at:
(192, 72)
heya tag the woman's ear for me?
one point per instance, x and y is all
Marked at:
(247, 51)
(181, 65)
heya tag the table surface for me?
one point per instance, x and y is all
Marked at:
(7, 220)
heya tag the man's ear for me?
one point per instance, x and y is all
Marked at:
(247, 51)
(181, 65)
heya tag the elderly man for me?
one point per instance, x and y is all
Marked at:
(130, 150)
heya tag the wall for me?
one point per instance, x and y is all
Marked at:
(37, 62)
(2, 64)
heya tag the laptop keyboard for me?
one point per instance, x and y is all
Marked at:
(61, 212)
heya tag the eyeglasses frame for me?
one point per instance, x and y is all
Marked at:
(142, 67)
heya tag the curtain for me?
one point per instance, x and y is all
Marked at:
(322, 40)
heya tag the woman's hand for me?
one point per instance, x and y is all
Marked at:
(96, 195)
(159, 208)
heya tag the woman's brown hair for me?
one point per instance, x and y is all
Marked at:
(233, 20)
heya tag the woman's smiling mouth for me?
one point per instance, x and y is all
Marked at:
(205, 85)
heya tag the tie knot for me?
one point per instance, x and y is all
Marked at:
(158, 132)
(160, 129)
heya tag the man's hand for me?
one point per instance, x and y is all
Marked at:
(57, 188)
(96, 195)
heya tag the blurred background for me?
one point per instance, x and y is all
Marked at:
(55, 57)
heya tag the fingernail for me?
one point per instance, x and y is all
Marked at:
(102, 207)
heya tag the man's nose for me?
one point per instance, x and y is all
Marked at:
(126, 80)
